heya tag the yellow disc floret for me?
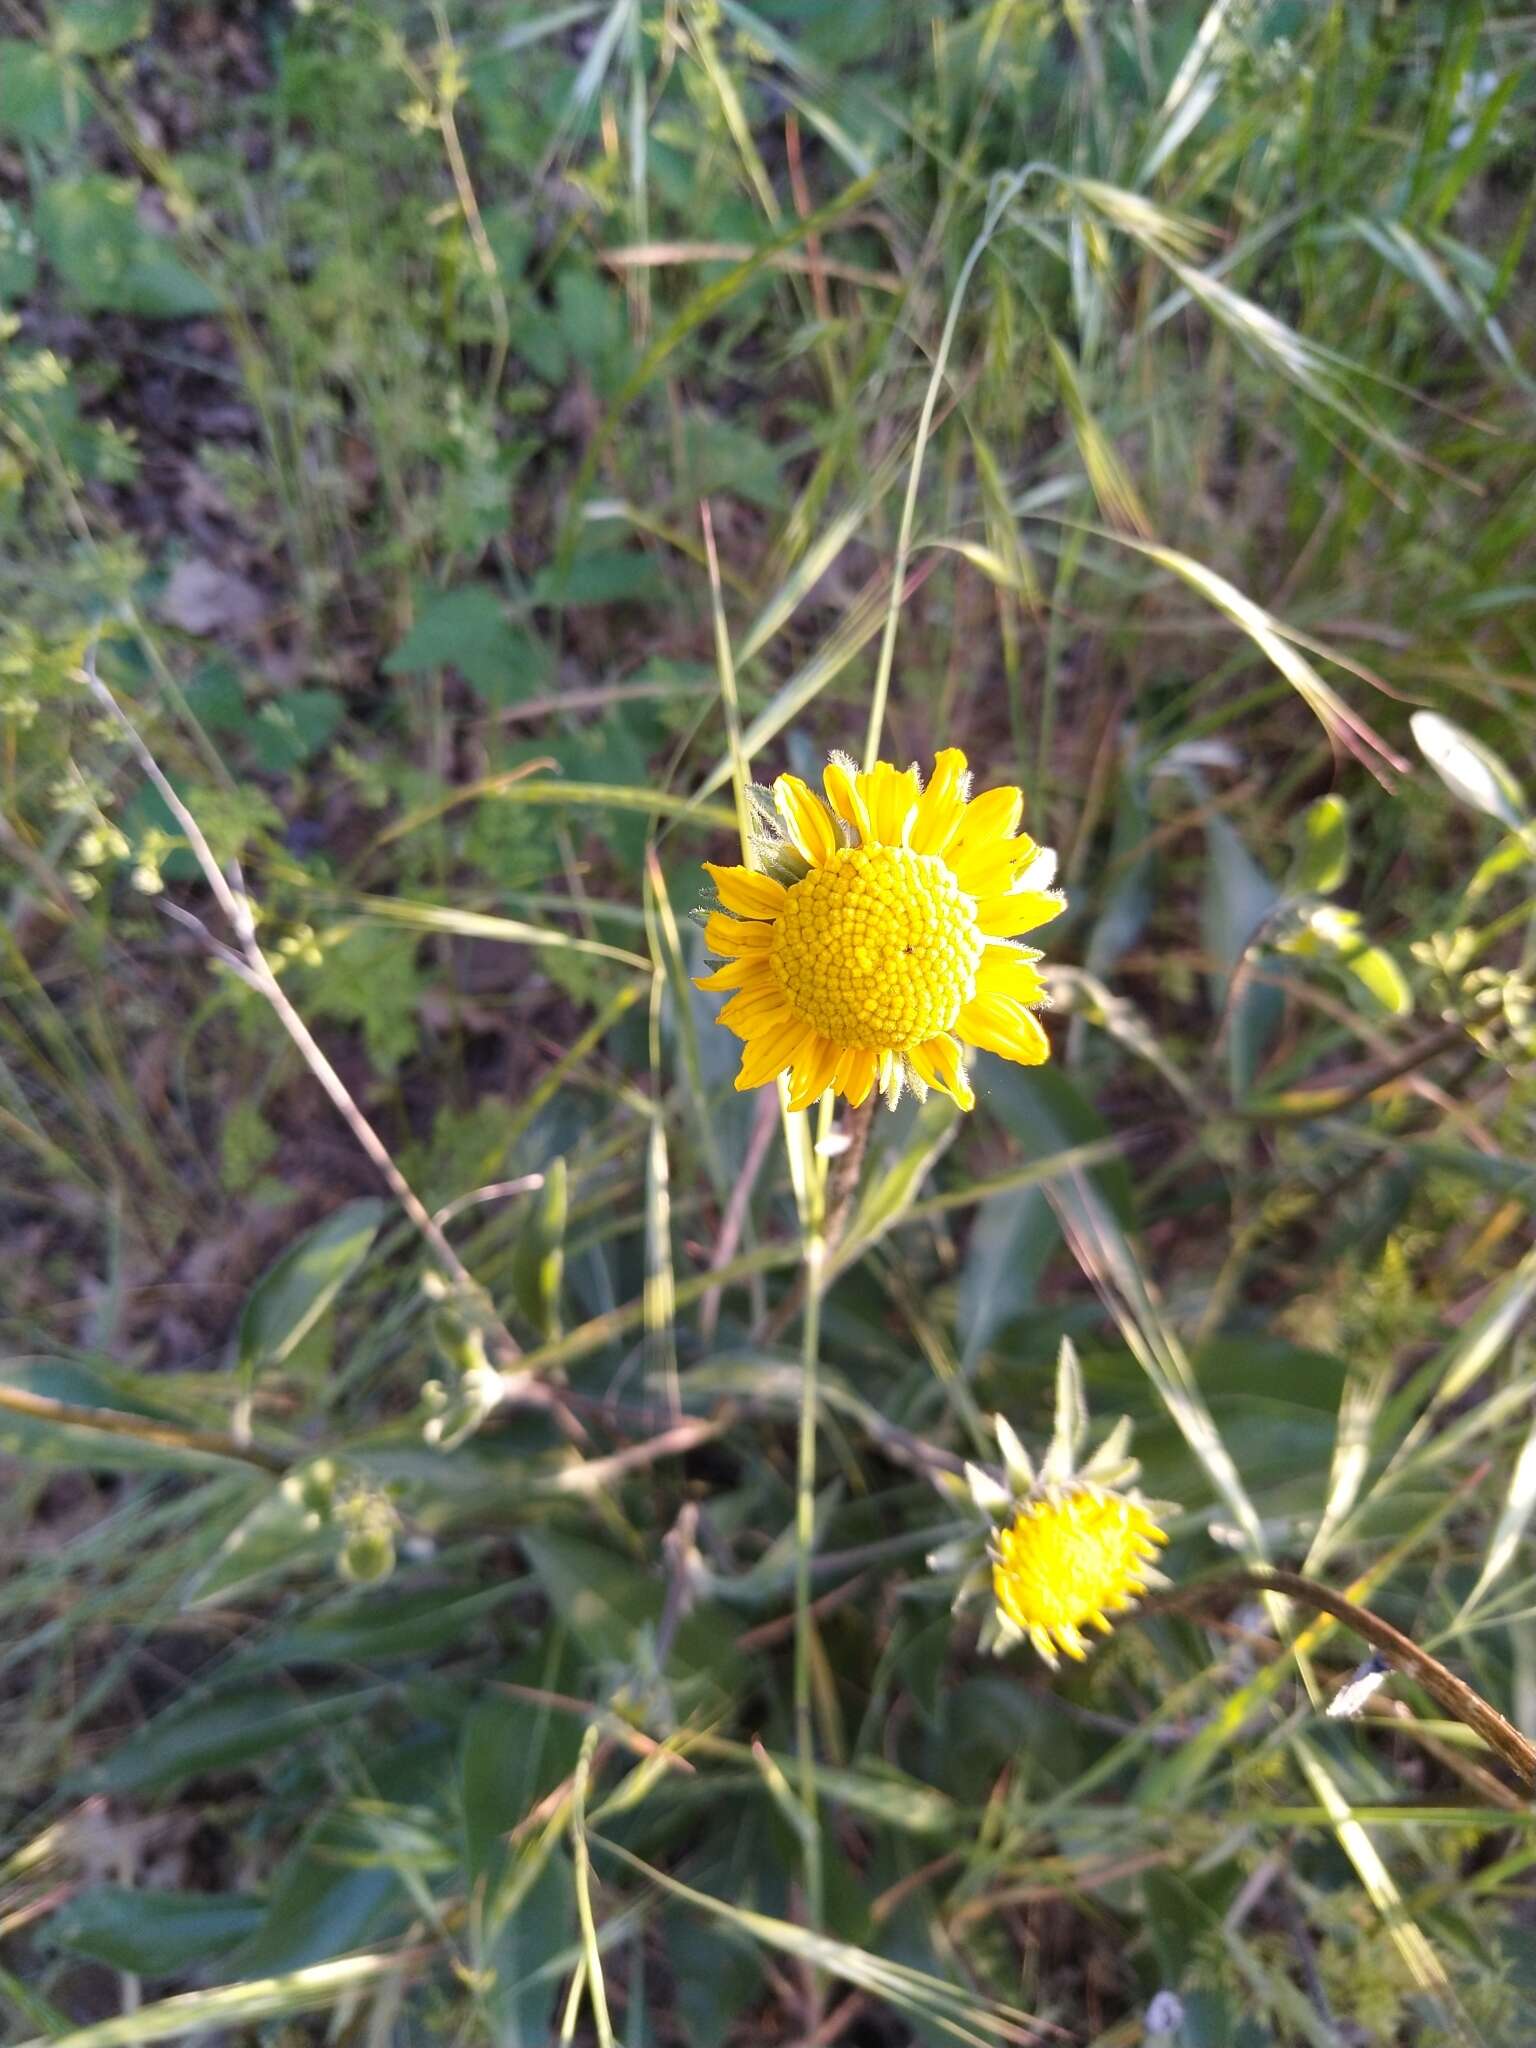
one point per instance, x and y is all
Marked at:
(878, 948)
(1069, 1561)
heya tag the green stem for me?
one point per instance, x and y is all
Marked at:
(1002, 197)
(805, 1543)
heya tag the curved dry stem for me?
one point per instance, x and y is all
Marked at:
(1447, 1690)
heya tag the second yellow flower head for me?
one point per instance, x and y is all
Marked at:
(877, 941)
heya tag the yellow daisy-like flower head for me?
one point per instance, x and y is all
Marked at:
(1062, 1548)
(1069, 1560)
(876, 941)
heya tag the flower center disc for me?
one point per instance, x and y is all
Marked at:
(878, 948)
(1063, 1561)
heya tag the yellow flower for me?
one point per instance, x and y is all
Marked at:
(877, 940)
(1071, 1558)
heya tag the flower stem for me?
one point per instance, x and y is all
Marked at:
(805, 1542)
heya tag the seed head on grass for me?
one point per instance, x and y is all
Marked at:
(875, 940)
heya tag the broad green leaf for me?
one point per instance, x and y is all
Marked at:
(218, 1734)
(1011, 1240)
(1320, 862)
(610, 1605)
(153, 1933)
(383, 1627)
(33, 92)
(95, 28)
(1330, 933)
(528, 1953)
(512, 1751)
(600, 576)
(291, 729)
(288, 1301)
(108, 260)
(469, 629)
(1470, 769)
(323, 1903)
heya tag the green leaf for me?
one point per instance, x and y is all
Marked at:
(897, 1168)
(290, 1299)
(538, 1262)
(1046, 1113)
(609, 1604)
(1236, 903)
(513, 1751)
(218, 1734)
(369, 977)
(95, 28)
(33, 102)
(18, 250)
(94, 1450)
(600, 576)
(1470, 769)
(469, 630)
(152, 1933)
(383, 1627)
(321, 1906)
(527, 1955)
(1320, 863)
(107, 260)
(287, 1530)
(292, 729)
(719, 455)
(1335, 934)
(1011, 1241)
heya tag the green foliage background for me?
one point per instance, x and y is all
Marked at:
(365, 369)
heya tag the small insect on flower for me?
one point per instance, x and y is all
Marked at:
(875, 940)
(1078, 1543)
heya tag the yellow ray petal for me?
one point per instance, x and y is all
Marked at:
(1003, 972)
(856, 1073)
(891, 795)
(991, 817)
(770, 1054)
(747, 893)
(740, 973)
(1023, 910)
(754, 1011)
(846, 796)
(723, 934)
(813, 1072)
(937, 1062)
(999, 1024)
(810, 829)
(941, 806)
(987, 869)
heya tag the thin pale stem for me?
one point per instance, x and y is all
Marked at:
(581, 1860)
(1002, 198)
(141, 1428)
(805, 1544)
(258, 973)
